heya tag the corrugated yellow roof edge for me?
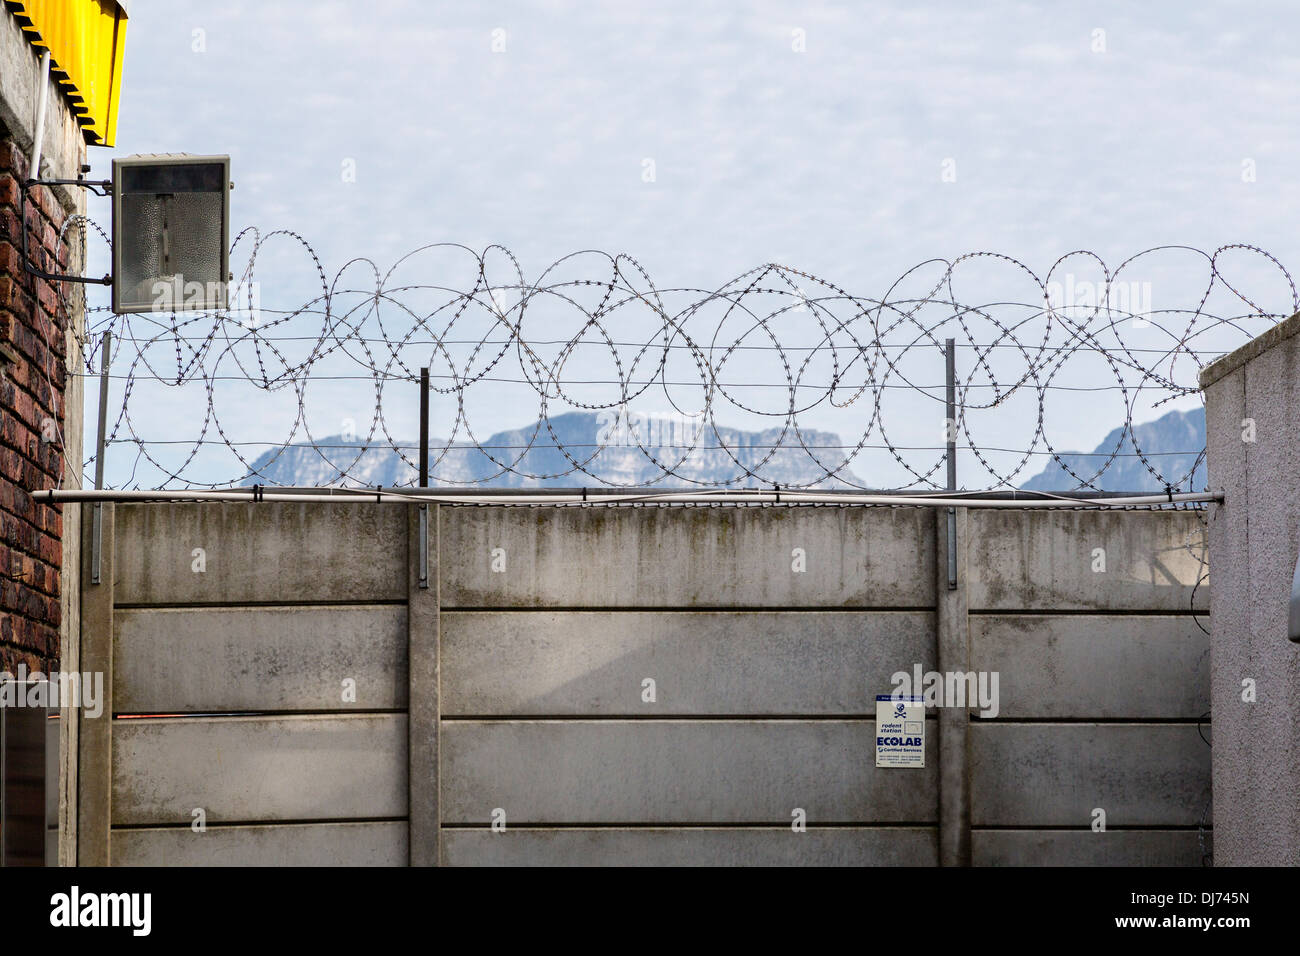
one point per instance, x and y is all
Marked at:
(86, 40)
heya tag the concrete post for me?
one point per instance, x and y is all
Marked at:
(423, 720)
(95, 774)
(1252, 399)
(70, 592)
(953, 651)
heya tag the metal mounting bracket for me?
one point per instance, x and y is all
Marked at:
(100, 187)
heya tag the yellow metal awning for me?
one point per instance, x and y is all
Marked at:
(86, 40)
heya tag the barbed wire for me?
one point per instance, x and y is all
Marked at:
(740, 385)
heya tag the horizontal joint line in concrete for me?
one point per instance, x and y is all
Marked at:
(1089, 721)
(260, 605)
(231, 716)
(296, 712)
(1131, 827)
(1085, 612)
(864, 717)
(221, 824)
(699, 825)
(687, 609)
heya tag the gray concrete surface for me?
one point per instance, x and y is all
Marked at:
(953, 649)
(689, 557)
(273, 552)
(1044, 560)
(303, 844)
(701, 662)
(1088, 848)
(529, 687)
(95, 738)
(1104, 667)
(677, 771)
(693, 846)
(246, 769)
(1254, 544)
(184, 660)
(1056, 775)
(424, 691)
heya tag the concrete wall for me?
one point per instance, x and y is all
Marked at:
(64, 148)
(513, 689)
(260, 668)
(1252, 400)
(1094, 622)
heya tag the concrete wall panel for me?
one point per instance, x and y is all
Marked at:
(717, 662)
(1057, 774)
(1088, 848)
(692, 846)
(245, 769)
(1044, 560)
(1095, 666)
(186, 660)
(263, 553)
(677, 771)
(310, 844)
(688, 557)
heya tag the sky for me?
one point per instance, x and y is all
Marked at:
(848, 141)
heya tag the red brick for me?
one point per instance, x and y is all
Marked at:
(9, 259)
(51, 550)
(13, 159)
(49, 300)
(9, 223)
(33, 318)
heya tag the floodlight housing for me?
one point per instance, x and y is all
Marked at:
(171, 233)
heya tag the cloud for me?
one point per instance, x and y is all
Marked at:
(830, 158)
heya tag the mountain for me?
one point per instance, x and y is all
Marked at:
(619, 462)
(1172, 444)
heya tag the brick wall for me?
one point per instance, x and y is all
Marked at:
(33, 332)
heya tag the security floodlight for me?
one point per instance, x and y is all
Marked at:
(171, 233)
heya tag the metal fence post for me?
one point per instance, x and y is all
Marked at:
(97, 516)
(951, 435)
(424, 477)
